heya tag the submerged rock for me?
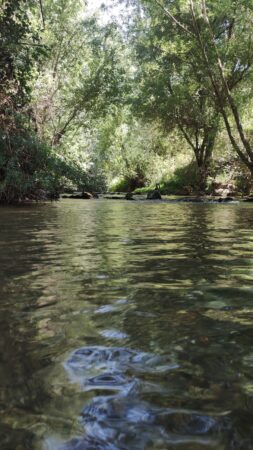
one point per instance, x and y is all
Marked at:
(154, 195)
(129, 196)
(87, 195)
(83, 195)
(248, 200)
(225, 199)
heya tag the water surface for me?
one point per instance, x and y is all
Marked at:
(126, 326)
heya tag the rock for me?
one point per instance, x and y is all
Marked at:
(76, 196)
(87, 195)
(248, 200)
(83, 195)
(185, 190)
(53, 195)
(225, 199)
(129, 196)
(154, 195)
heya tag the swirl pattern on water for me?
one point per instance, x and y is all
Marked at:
(124, 421)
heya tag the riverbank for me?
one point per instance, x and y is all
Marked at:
(140, 197)
(135, 197)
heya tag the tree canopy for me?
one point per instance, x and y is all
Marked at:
(85, 101)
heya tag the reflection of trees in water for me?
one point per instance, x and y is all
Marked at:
(15, 438)
(160, 265)
(22, 357)
(181, 253)
(22, 390)
(170, 262)
(178, 282)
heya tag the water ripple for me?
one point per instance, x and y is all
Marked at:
(123, 419)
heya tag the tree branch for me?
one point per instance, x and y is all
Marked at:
(217, 93)
(187, 138)
(173, 18)
(42, 14)
(230, 99)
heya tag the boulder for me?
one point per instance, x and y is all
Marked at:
(154, 195)
(83, 195)
(78, 196)
(129, 196)
(226, 199)
(87, 195)
(114, 197)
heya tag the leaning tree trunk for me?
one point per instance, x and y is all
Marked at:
(242, 145)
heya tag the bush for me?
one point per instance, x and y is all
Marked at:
(23, 162)
(29, 170)
(183, 181)
(127, 184)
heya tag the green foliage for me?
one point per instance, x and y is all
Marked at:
(20, 48)
(30, 170)
(85, 104)
(243, 180)
(129, 149)
(218, 41)
(184, 181)
(84, 76)
(22, 156)
(121, 185)
(77, 76)
(170, 87)
(23, 163)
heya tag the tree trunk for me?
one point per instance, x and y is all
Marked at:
(203, 172)
(204, 156)
(243, 149)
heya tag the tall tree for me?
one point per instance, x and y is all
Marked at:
(84, 73)
(218, 37)
(172, 90)
(21, 155)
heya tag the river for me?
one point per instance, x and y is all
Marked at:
(126, 326)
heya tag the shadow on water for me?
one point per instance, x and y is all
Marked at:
(126, 326)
